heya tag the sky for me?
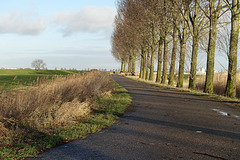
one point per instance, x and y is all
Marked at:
(63, 33)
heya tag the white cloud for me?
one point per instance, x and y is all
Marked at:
(88, 19)
(21, 24)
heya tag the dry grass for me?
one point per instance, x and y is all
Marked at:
(61, 100)
(220, 81)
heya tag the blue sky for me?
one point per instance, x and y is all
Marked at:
(64, 33)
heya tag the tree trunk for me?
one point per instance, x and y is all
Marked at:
(165, 60)
(195, 23)
(192, 76)
(141, 66)
(181, 62)
(160, 58)
(148, 64)
(124, 66)
(133, 62)
(144, 63)
(130, 64)
(153, 50)
(210, 57)
(121, 66)
(183, 40)
(182, 59)
(152, 65)
(230, 90)
(214, 13)
(173, 60)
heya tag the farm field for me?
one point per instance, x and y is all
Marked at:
(12, 78)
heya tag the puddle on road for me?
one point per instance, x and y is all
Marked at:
(226, 114)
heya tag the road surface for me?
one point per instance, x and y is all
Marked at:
(163, 125)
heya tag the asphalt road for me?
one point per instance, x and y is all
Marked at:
(163, 125)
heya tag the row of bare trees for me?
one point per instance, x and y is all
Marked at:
(145, 30)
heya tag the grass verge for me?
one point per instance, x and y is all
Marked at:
(233, 102)
(29, 142)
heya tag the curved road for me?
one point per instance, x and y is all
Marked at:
(163, 125)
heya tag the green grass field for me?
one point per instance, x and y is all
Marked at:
(12, 78)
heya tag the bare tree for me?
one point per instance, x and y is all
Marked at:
(166, 33)
(125, 38)
(176, 22)
(223, 40)
(38, 64)
(195, 26)
(215, 7)
(154, 19)
(183, 36)
(143, 29)
(180, 22)
(160, 59)
(234, 7)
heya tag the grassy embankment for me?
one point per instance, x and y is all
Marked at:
(36, 118)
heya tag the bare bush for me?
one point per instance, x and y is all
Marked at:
(61, 100)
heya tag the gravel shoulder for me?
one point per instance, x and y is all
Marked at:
(164, 124)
